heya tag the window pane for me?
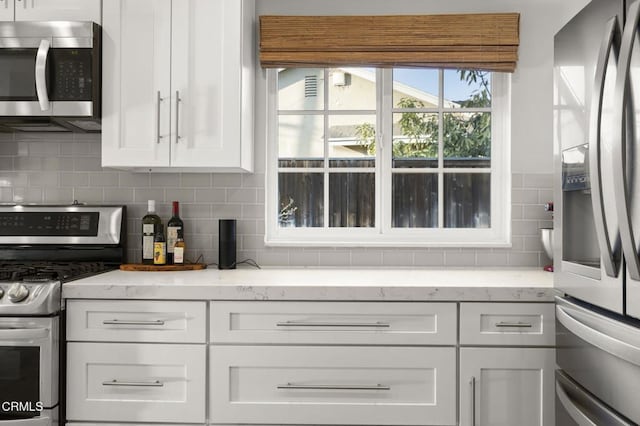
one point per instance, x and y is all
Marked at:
(301, 140)
(415, 88)
(467, 89)
(415, 200)
(352, 140)
(467, 139)
(415, 139)
(352, 199)
(352, 89)
(467, 200)
(301, 198)
(301, 89)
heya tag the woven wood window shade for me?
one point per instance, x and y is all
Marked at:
(473, 41)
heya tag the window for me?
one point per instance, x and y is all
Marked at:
(388, 157)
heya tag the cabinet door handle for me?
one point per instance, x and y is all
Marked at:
(115, 382)
(158, 100)
(332, 324)
(472, 382)
(514, 324)
(178, 100)
(334, 387)
(132, 322)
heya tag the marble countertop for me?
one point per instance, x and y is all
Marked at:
(320, 284)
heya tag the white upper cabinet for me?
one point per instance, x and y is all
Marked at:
(50, 10)
(178, 85)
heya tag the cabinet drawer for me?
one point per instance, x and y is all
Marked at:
(136, 321)
(125, 382)
(531, 324)
(333, 385)
(383, 323)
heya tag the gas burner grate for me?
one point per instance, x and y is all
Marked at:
(49, 271)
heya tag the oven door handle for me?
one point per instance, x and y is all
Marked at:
(31, 334)
(41, 76)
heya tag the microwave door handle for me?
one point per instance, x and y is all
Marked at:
(622, 88)
(41, 77)
(609, 41)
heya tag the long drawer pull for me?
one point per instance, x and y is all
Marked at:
(132, 322)
(332, 324)
(115, 382)
(514, 324)
(335, 387)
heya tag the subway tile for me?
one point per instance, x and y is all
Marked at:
(163, 180)
(227, 211)
(195, 180)
(397, 258)
(247, 227)
(242, 195)
(525, 227)
(517, 180)
(253, 211)
(28, 163)
(364, 257)
(87, 164)
(28, 195)
(276, 257)
(192, 211)
(545, 196)
(57, 164)
(335, 258)
(524, 259)
(210, 195)
(533, 243)
(536, 211)
(6, 195)
(74, 179)
(204, 226)
(6, 163)
(180, 194)
(253, 180)
(524, 196)
(141, 195)
(80, 149)
(252, 242)
(304, 258)
(428, 258)
(516, 211)
(538, 181)
(8, 147)
(13, 179)
(459, 259)
(58, 195)
(118, 195)
(88, 195)
(134, 180)
(227, 180)
(39, 149)
(44, 179)
(103, 179)
(492, 259)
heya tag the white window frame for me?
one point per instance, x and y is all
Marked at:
(383, 234)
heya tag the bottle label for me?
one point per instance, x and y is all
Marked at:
(172, 237)
(178, 255)
(148, 229)
(147, 247)
(159, 253)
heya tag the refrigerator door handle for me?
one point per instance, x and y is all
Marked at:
(608, 46)
(598, 331)
(623, 206)
(578, 405)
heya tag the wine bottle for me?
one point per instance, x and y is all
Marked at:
(174, 225)
(150, 223)
(178, 249)
(159, 247)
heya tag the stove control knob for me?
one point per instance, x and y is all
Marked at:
(17, 293)
(1, 292)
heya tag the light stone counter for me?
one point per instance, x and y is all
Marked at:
(532, 285)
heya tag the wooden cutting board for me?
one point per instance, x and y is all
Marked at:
(173, 268)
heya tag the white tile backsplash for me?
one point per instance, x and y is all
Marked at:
(66, 168)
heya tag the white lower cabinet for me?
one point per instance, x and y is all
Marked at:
(131, 382)
(333, 385)
(507, 386)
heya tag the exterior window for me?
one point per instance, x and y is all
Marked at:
(393, 157)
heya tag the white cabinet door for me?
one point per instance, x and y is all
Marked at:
(207, 83)
(136, 85)
(58, 10)
(512, 386)
(358, 385)
(6, 10)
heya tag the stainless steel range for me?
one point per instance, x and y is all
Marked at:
(41, 248)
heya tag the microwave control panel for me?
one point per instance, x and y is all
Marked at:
(72, 74)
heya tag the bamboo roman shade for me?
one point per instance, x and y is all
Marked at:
(486, 41)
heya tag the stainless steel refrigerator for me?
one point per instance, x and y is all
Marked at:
(597, 218)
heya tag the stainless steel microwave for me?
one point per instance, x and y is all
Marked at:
(50, 76)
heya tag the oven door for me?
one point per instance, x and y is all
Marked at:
(29, 354)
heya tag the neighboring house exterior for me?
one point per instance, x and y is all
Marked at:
(352, 91)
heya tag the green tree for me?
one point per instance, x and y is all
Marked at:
(466, 135)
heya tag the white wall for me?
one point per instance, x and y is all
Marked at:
(531, 119)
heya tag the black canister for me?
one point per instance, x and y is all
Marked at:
(227, 244)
